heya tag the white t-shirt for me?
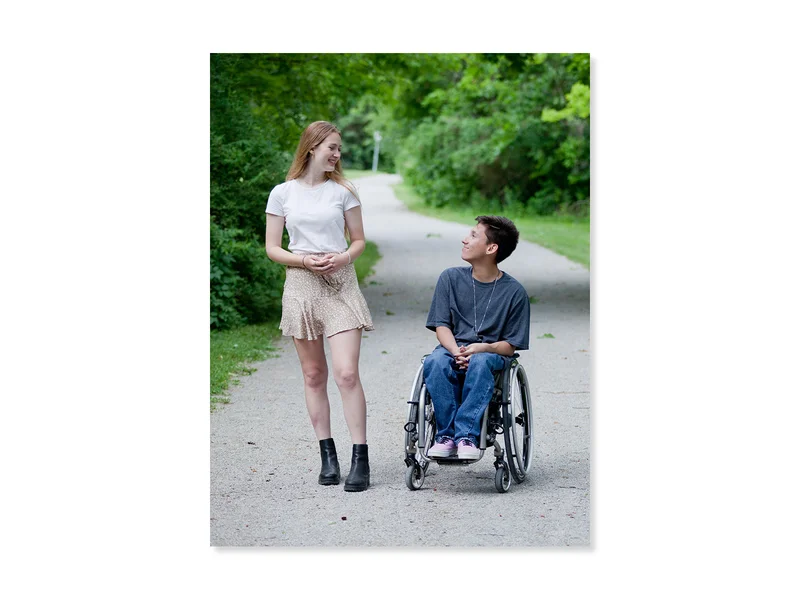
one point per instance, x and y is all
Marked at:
(314, 216)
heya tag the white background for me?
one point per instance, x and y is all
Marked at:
(104, 239)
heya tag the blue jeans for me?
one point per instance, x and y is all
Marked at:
(460, 397)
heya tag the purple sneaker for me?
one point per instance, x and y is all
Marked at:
(467, 450)
(443, 449)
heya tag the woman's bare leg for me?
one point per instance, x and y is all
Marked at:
(345, 351)
(315, 380)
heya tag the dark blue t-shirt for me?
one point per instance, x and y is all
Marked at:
(508, 316)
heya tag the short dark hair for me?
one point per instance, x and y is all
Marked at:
(500, 231)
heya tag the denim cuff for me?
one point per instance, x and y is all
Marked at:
(442, 439)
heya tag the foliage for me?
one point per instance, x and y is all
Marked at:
(246, 286)
(224, 279)
(577, 105)
(245, 164)
(358, 128)
(366, 261)
(511, 133)
(246, 159)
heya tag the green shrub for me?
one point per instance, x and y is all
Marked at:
(225, 280)
(511, 133)
(246, 286)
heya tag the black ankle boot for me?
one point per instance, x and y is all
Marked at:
(358, 478)
(329, 474)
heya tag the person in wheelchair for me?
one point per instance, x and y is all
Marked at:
(480, 315)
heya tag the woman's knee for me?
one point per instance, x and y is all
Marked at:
(346, 378)
(315, 376)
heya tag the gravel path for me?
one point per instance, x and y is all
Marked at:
(264, 455)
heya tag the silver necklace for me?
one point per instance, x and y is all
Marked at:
(475, 303)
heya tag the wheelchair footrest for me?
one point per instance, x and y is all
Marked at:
(454, 460)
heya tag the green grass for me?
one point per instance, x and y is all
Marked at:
(233, 350)
(366, 261)
(357, 173)
(568, 236)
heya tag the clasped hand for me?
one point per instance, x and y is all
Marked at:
(465, 352)
(325, 265)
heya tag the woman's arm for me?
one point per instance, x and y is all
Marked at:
(355, 226)
(274, 251)
(352, 219)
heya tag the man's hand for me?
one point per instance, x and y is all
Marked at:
(465, 352)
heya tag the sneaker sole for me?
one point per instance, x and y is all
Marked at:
(469, 457)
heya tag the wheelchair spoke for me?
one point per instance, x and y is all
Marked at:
(519, 424)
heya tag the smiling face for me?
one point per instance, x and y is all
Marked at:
(476, 246)
(325, 155)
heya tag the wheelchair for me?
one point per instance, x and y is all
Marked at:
(509, 414)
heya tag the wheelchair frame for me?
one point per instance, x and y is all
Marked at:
(510, 412)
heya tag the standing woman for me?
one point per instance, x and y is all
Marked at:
(321, 296)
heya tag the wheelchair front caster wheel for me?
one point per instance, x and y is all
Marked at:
(502, 479)
(415, 476)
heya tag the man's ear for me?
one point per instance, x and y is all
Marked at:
(492, 249)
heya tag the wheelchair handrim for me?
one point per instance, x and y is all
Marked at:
(520, 435)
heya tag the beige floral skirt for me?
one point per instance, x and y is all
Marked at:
(322, 305)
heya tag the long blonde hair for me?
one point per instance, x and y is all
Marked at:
(312, 137)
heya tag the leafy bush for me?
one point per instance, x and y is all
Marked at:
(511, 131)
(246, 159)
(225, 280)
(246, 286)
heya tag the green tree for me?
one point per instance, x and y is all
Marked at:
(478, 137)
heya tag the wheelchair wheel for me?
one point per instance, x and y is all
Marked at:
(413, 414)
(415, 476)
(501, 479)
(428, 423)
(420, 413)
(518, 424)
